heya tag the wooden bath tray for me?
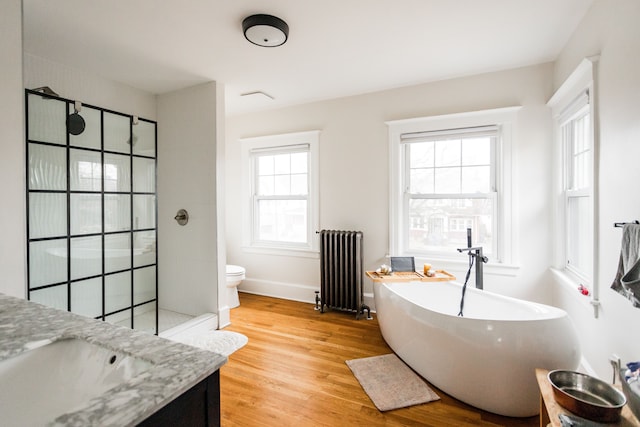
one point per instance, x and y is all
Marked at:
(410, 276)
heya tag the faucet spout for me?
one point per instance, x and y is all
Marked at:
(475, 254)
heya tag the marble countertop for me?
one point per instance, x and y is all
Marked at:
(176, 367)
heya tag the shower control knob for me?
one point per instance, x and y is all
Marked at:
(182, 217)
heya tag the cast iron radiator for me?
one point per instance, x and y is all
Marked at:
(341, 272)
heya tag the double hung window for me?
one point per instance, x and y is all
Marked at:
(576, 140)
(283, 192)
(448, 174)
(450, 186)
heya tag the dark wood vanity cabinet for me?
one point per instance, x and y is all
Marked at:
(198, 406)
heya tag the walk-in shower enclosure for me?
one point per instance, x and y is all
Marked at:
(92, 211)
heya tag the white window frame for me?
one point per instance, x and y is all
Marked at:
(505, 119)
(568, 101)
(290, 142)
(409, 138)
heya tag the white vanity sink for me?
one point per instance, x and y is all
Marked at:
(54, 378)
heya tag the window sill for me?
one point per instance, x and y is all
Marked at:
(300, 253)
(490, 268)
(569, 285)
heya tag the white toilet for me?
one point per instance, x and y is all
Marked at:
(235, 276)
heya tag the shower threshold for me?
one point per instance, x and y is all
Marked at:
(172, 324)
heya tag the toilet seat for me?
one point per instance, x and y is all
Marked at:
(235, 270)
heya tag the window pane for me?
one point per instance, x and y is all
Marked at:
(282, 164)
(476, 179)
(299, 184)
(447, 180)
(476, 151)
(282, 220)
(440, 225)
(579, 234)
(422, 154)
(422, 181)
(283, 185)
(447, 152)
(299, 163)
(265, 185)
(265, 165)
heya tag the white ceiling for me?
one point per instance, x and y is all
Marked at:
(336, 47)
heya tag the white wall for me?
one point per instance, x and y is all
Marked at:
(187, 165)
(354, 181)
(610, 29)
(12, 158)
(88, 88)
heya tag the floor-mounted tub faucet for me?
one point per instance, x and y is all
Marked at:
(475, 253)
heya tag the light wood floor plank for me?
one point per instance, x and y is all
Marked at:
(292, 372)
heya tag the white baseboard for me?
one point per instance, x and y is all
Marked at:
(289, 291)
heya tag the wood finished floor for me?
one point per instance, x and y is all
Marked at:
(292, 372)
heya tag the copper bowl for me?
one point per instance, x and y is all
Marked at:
(587, 396)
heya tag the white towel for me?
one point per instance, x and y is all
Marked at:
(627, 280)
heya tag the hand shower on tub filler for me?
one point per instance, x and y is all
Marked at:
(474, 253)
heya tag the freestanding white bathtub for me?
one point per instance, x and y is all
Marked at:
(487, 358)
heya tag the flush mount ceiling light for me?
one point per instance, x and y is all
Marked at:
(265, 30)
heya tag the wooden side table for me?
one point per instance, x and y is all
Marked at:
(550, 409)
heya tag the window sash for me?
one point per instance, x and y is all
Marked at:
(259, 217)
(577, 142)
(455, 237)
(450, 216)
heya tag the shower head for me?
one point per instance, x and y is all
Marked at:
(46, 90)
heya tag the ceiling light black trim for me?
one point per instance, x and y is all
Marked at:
(265, 21)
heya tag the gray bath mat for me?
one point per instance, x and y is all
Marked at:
(389, 383)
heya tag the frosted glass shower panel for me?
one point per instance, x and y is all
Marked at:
(55, 296)
(91, 220)
(144, 175)
(47, 262)
(117, 173)
(86, 297)
(117, 251)
(90, 137)
(47, 215)
(86, 257)
(144, 318)
(86, 213)
(47, 167)
(117, 212)
(85, 169)
(117, 133)
(144, 211)
(144, 284)
(144, 250)
(117, 292)
(144, 138)
(47, 120)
